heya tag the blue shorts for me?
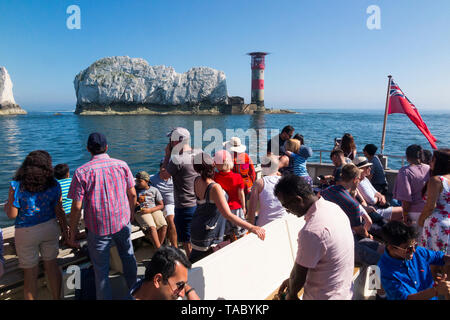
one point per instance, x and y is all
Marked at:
(182, 220)
(308, 179)
(366, 251)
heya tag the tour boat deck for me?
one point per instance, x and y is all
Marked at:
(214, 277)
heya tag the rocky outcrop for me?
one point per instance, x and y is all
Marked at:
(130, 85)
(8, 105)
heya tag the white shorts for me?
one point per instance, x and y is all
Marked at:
(386, 213)
(414, 216)
(169, 210)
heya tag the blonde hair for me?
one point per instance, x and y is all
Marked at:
(223, 158)
(227, 164)
(292, 145)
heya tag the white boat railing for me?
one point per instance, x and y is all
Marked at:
(403, 158)
(245, 269)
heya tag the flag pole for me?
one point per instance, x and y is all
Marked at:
(383, 136)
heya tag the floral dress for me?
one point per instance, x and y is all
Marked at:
(436, 230)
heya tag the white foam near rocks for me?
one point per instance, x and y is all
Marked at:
(132, 81)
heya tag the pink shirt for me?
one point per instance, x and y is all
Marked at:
(409, 183)
(102, 184)
(326, 248)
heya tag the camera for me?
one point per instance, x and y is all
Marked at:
(337, 141)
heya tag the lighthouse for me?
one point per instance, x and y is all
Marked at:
(258, 66)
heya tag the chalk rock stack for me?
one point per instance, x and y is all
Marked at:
(8, 105)
(124, 83)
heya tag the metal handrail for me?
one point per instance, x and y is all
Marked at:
(360, 153)
(2, 204)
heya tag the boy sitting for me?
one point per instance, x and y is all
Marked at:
(338, 158)
(149, 208)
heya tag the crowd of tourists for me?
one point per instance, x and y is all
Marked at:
(204, 202)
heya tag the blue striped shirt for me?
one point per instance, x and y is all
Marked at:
(299, 165)
(339, 195)
(67, 203)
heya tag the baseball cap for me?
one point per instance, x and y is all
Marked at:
(96, 141)
(143, 175)
(179, 134)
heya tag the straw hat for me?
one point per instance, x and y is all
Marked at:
(234, 145)
(361, 162)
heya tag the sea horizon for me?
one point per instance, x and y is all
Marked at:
(296, 109)
(140, 140)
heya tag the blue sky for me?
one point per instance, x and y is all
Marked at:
(322, 53)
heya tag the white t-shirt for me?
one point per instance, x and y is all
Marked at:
(367, 191)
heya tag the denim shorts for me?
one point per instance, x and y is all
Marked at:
(366, 251)
(182, 220)
(308, 179)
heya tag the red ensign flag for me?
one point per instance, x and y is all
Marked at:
(399, 103)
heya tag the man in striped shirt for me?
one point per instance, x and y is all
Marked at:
(104, 187)
(367, 250)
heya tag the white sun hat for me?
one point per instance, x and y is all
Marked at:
(361, 162)
(234, 145)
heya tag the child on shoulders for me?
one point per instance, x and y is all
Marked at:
(300, 154)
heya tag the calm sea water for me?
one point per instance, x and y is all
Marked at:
(140, 140)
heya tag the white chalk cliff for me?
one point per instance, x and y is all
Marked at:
(124, 83)
(7, 103)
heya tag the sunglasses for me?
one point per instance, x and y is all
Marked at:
(410, 248)
(288, 135)
(180, 287)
